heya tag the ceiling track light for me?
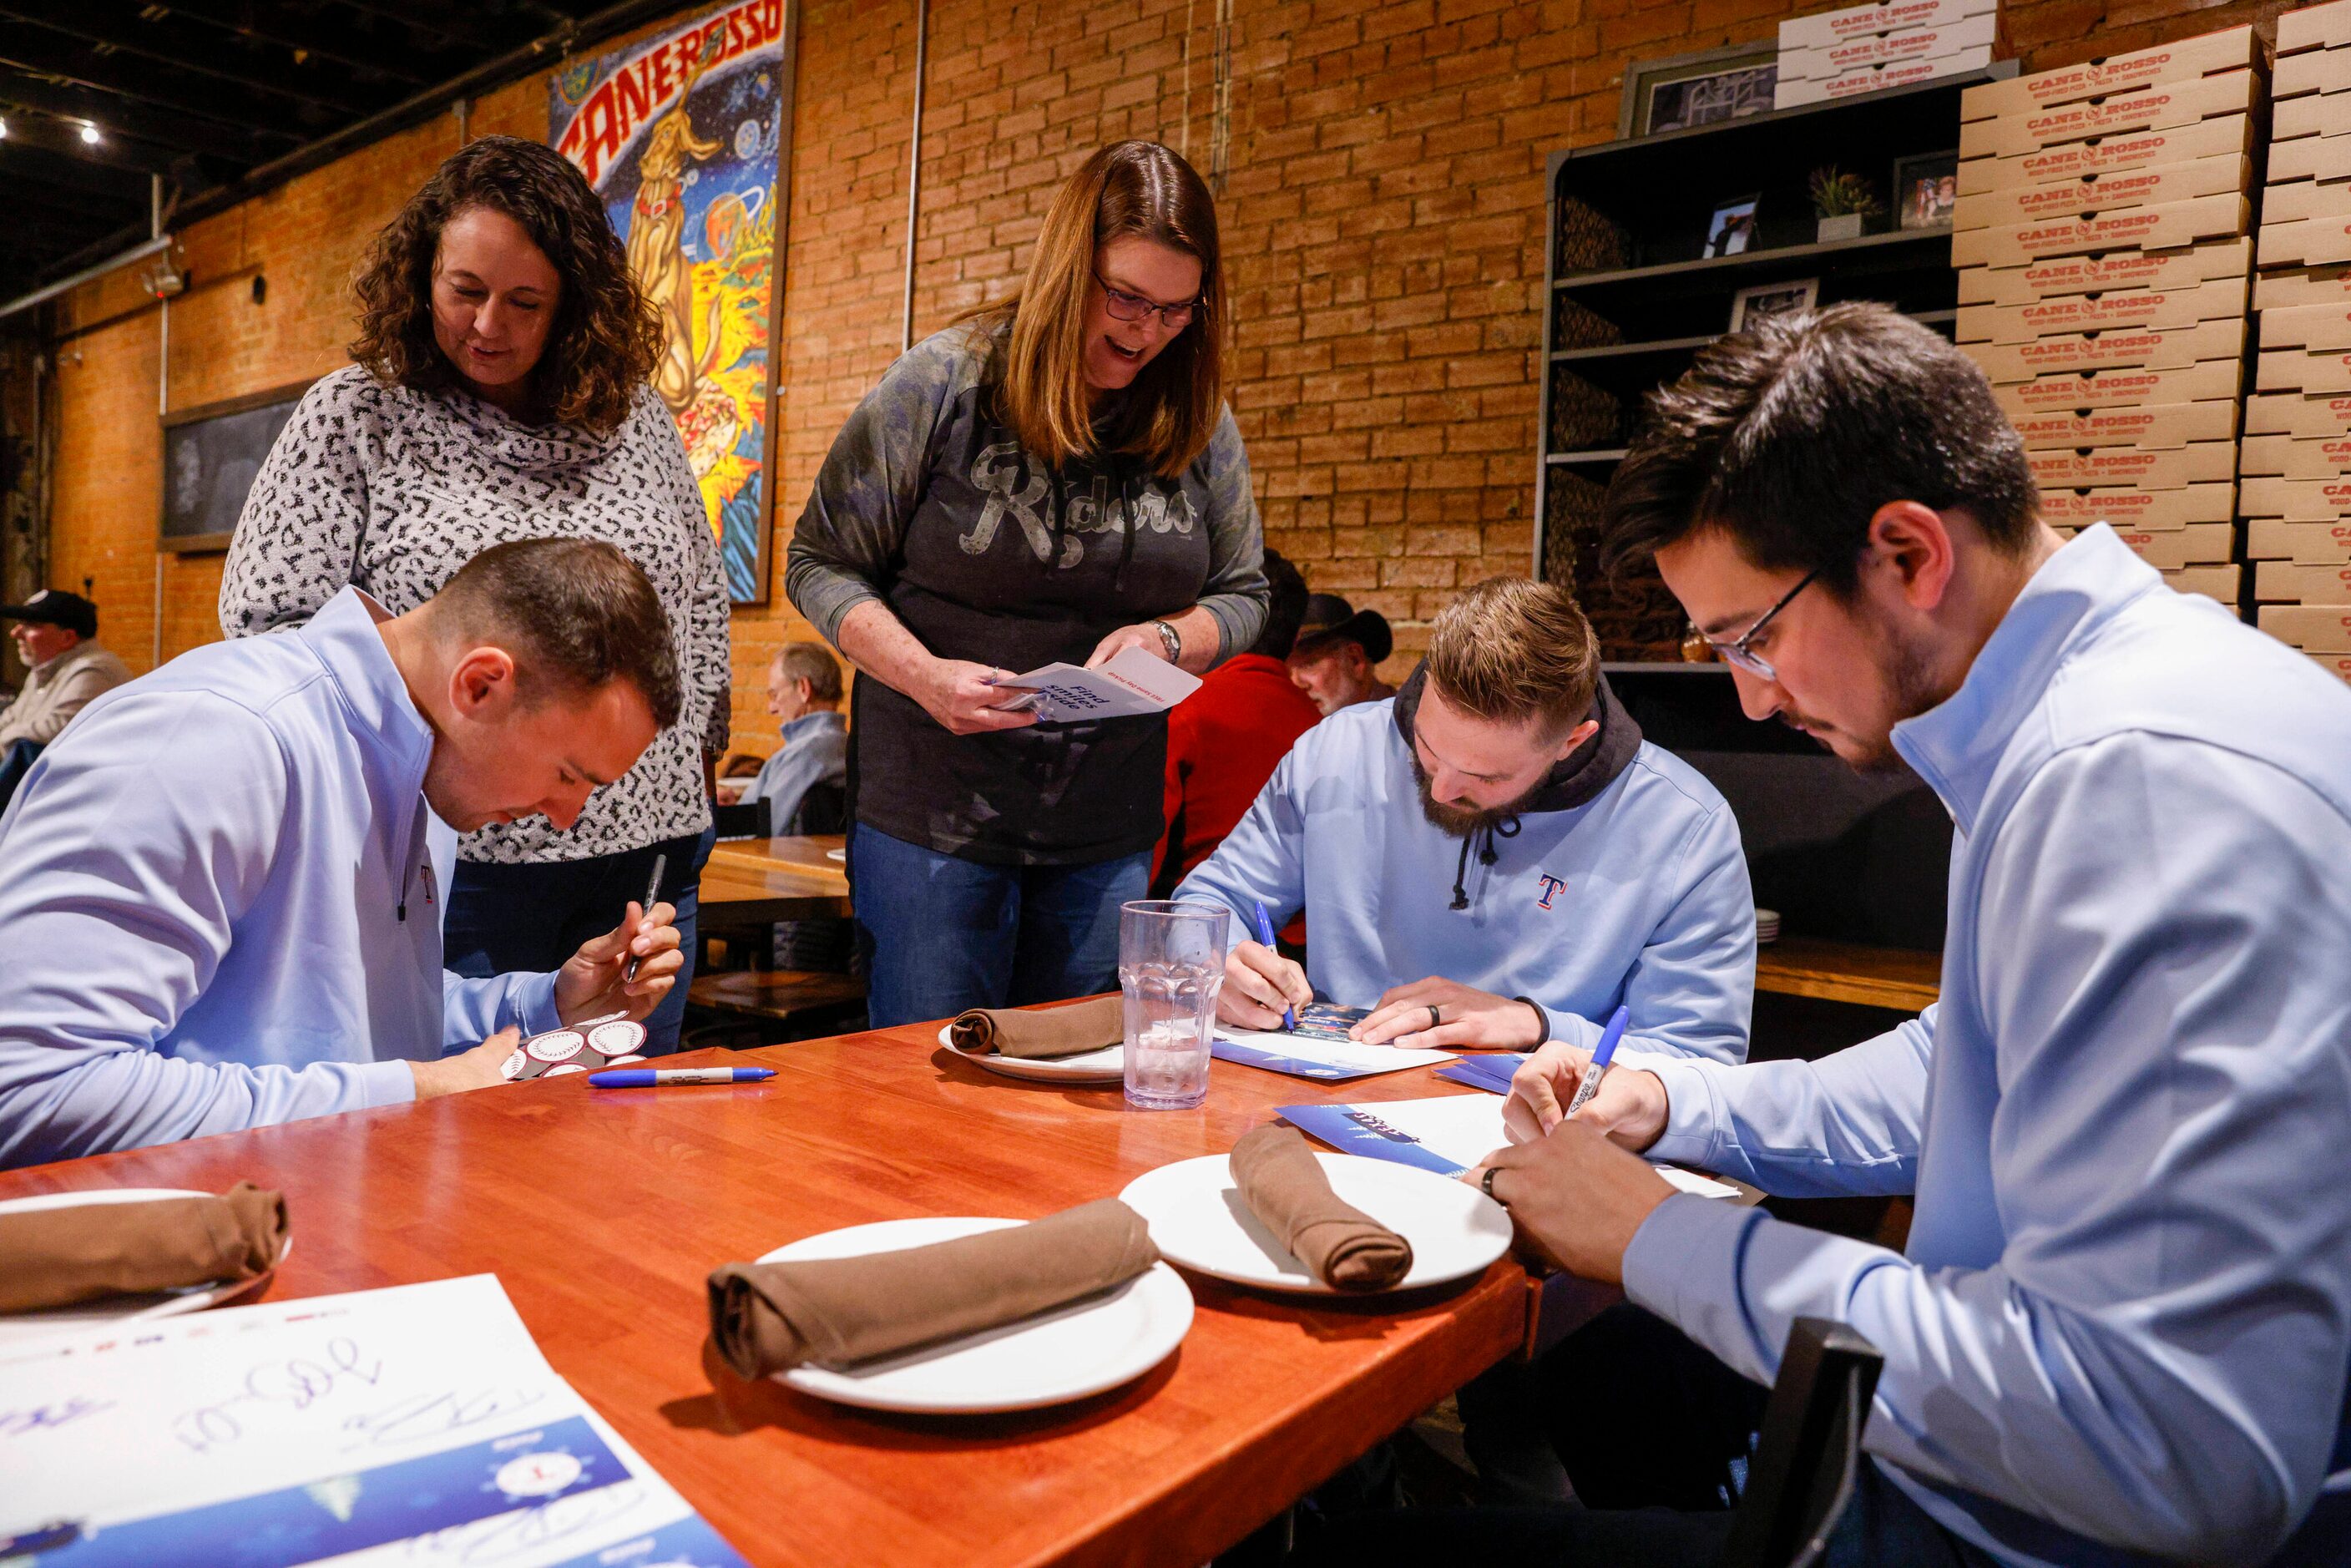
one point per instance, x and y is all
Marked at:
(90, 134)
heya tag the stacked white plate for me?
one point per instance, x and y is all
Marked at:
(1767, 925)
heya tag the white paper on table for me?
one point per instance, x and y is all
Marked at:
(1133, 682)
(1348, 1054)
(413, 1424)
(1466, 1128)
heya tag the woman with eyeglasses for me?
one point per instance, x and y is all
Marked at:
(1054, 477)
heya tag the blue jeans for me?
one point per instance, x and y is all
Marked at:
(503, 918)
(946, 933)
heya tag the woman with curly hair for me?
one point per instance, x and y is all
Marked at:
(502, 391)
(1056, 478)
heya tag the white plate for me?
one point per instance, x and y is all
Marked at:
(114, 1309)
(1107, 1065)
(1050, 1359)
(1198, 1219)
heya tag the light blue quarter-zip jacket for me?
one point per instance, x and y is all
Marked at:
(1638, 896)
(2122, 1323)
(217, 907)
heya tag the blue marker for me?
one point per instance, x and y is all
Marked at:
(1265, 935)
(661, 1077)
(1599, 1060)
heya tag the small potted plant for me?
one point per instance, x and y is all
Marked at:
(1844, 202)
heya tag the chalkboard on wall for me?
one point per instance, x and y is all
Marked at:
(211, 454)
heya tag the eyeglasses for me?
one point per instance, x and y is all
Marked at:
(1741, 651)
(1128, 307)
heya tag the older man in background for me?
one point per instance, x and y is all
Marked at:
(56, 636)
(1336, 657)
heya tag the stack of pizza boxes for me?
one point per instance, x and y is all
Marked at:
(2296, 490)
(2103, 245)
(1866, 48)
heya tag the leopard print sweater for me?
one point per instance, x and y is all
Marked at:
(395, 489)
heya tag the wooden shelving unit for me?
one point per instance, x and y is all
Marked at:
(1631, 297)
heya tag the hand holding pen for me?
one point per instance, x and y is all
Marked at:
(1265, 935)
(1597, 1068)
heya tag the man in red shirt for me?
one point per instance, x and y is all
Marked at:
(1224, 740)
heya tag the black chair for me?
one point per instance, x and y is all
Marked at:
(823, 809)
(747, 820)
(1808, 1456)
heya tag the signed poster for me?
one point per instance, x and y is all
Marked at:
(681, 134)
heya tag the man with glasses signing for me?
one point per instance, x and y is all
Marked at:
(2121, 1325)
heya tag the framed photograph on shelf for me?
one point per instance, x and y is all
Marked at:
(1749, 305)
(1926, 189)
(1682, 91)
(1731, 229)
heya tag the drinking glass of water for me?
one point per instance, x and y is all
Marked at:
(1171, 964)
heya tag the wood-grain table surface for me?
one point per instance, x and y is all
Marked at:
(601, 1212)
(751, 881)
(1899, 978)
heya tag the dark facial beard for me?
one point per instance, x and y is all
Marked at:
(1909, 689)
(1461, 822)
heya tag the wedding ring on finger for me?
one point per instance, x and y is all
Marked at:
(1436, 1015)
(1486, 1184)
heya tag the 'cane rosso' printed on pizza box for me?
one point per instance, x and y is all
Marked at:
(2220, 136)
(2231, 49)
(2295, 457)
(2140, 512)
(2298, 414)
(1825, 28)
(2222, 299)
(2304, 544)
(2062, 274)
(2315, 157)
(2130, 347)
(2204, 462)
(2160, 108)
(1867, 49)
(2314, 628)
(2078, 393)
(2160, 427)
(2218, 216)
(2287, 582)
(1788, 93)
(2105, 192)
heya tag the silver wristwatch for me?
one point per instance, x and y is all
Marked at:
(1169, 639)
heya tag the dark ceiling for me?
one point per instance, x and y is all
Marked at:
(223, 96)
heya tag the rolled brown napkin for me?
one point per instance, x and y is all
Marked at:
(1284, 1187)
(836, 1311)
(56, 1257)
(1054, 1031)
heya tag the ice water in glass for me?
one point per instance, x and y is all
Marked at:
(1171, 964)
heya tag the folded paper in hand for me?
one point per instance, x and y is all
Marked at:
(1134, 683)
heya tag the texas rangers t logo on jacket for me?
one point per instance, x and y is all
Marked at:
(1551, 887)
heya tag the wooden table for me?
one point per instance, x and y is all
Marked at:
(1267, 1397)
(1899, 978)
(757, 881)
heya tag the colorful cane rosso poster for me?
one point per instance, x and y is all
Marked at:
(679, 134)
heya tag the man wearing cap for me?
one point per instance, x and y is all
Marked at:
(57, 635)
(1336, 658)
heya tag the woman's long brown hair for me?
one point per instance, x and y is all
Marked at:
(1129, 188)
(606, 336)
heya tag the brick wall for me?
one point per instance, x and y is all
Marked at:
(1383, 218)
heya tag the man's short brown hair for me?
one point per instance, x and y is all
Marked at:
(811, 662)
(1509, 649)
(575, 613)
